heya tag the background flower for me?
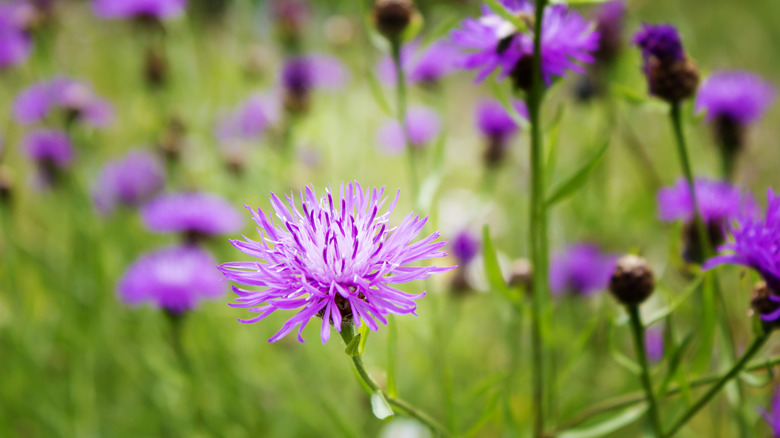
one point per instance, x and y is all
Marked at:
(423, 125)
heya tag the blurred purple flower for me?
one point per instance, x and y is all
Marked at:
(337, 259)
(175, 279)
(754, 242)
(492, 43)
(718, 201)
(581, 269)
(15, 41)
(130, 181)
(610, 18)
(304, 73)
(249, 120)
(739, 96)
(291, 16)
(49, 147)
(422, 123)
(654, 343)
(661, 42)
(670, 74)
(191, 213)
(772, 417)
(494, 121)
(157, 9)
(421, 65)
(76, 99)
(464, 247)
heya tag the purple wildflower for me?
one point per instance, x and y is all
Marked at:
(15, 41)
(192, 214)
(304, 73)
(718, 201)
(52, 153)
(654, 343)
(661, 42)
(249, 120)
(753, 243)
(76, 99)
(581, 269)
(670, 74)
(130, 180)
(290, 16)
(338, 259)
(494, 121)
(610, 18)
(422, 123)
(175, 279)
(493, 43)
(421, 65)
(773, 418)
(122, 9)
(739, 96)
(464, 247)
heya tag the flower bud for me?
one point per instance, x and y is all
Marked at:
(674, 81)
(392, 17)
(521, 274)
(765, 302)
(632, 282)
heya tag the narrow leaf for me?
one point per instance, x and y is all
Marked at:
(575, 181)
(608, 425)
(619, 357)
(553, 133)
(492, 268)
(363, 334)
(353, 349)
(505, 99)
(379, 94)
(379, 405)
(507, 15)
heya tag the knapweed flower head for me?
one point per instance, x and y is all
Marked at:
(581, 269)
(143, 9)
(718, 201)
(772, 416)
(739, 96)
(249, 120)
(52, 153)
(191, 213)
(671, 75)
(174, 279)
(425, 65)
(334, 257)
(753, 242)
(301, 75)
(494, 121)
(464, 247)
(610, 18)
(493, 43)
(423, 125)
(76, 100)
(129, 181)
(15, 41)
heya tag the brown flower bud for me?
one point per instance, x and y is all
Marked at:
(693, 250)
(392, 17)
(672, 81)
(632, 282)
(765, 302)
(521, 274)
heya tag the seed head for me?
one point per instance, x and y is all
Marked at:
(632, 281)
(392, 17)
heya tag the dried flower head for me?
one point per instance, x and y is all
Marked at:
(632, 281)
(392, 17)
(335, 258)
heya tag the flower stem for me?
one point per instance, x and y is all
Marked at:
(538, 226)
(395, 48)
(638, 331)
(732, 373)
(347, 334)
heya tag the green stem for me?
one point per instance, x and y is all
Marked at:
(638, 331)
(538, 226)
(632, 399)
(395, 48)
(347, 334)
(733, 372)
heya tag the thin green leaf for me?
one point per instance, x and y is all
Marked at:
(431, 184)
(553, 134)
(505, 98)
(619, 357)
(577, 180)
(507, 15)
(675, 359)
(353, 349)
(379, 405)
(492, 268)
(363, 334)
(610, 424)
(379, 95)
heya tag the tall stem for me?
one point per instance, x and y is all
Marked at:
(538, 225)
(395, 47)
(732, 373)
(638, 331)
(347, 334)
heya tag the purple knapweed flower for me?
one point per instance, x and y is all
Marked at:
(305, 73)
(334, 258)
(581, 269)
(718, 201)
(654, 343)
(494, 121)
(174, 279)
(493, 43)
(423, 126)
(52, 153)
(15, 40)
(739, 96)
(670, 74)
(772, 417)
(425, 65)
(195, 214)
(130, 181)
(123, 9)
(76, 99)
(753, 243)
(249, 120)
(610, 19)
(464, 247)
